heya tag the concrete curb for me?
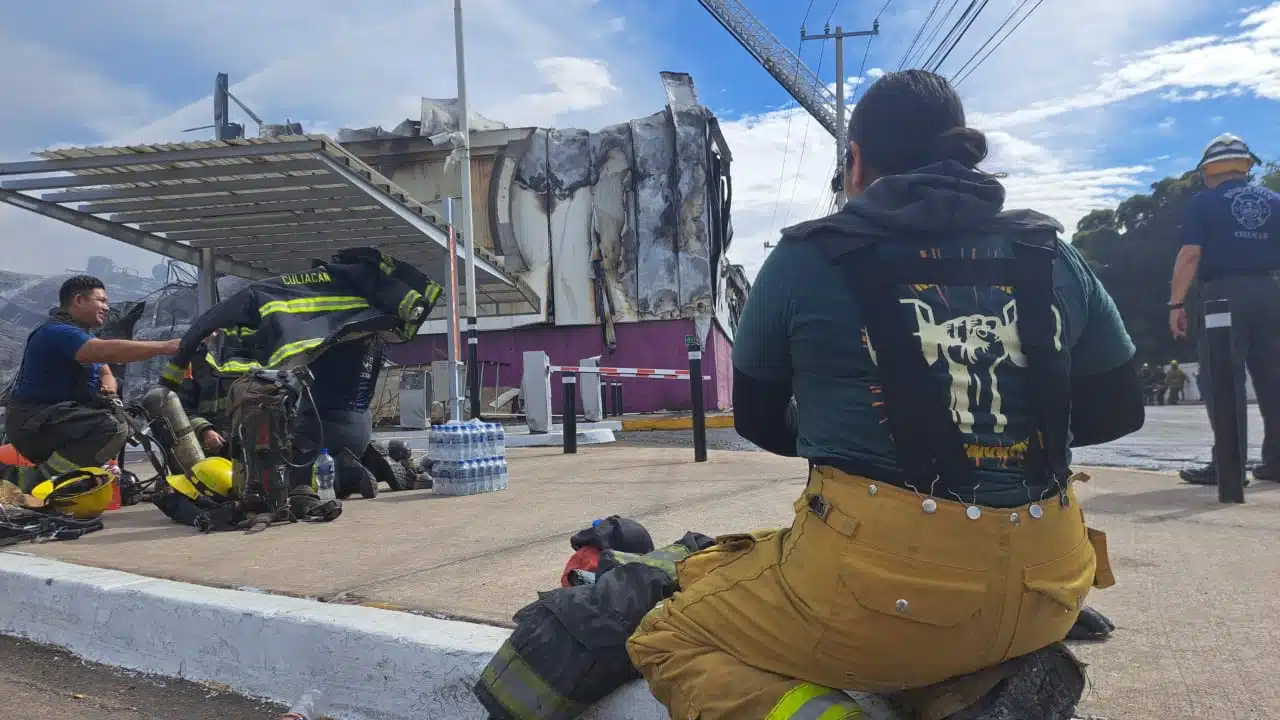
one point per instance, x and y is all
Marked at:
(377, 664)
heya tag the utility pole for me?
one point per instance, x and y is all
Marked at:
(841, 137)
(473, 340)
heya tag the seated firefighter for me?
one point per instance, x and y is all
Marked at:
(942, 353)
(347, 307)
(63, 411)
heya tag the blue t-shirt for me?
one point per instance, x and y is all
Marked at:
(1237, 226)
(50, 372)
(802, 323)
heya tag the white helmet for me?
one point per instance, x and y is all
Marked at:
(1227, 147)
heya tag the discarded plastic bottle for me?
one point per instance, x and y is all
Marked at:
(325, 471)
(308, 707)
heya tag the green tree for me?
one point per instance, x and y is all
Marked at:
(1132, 249)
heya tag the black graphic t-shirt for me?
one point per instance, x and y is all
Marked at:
(1237, 226)
(802, 323)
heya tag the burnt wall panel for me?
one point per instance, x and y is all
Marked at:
(481, 174)
(657, 266)
(569, 173)
(694, 239)
(614, 218)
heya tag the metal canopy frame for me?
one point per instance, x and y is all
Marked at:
(261, 206)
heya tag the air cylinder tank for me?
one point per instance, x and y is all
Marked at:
(164, 403)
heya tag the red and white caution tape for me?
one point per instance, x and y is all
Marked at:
(626, 372)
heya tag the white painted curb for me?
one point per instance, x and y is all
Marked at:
(373, 664)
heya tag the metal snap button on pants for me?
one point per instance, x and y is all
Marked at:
(765, 625)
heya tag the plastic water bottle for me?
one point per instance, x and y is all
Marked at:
(324, 472)
(308, 707)
(491, 440)
(433, 442)
(490, 474)
(502, 474)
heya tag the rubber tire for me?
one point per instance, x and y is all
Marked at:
(1048, 686)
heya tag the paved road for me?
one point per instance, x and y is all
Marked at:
(1174, 437)
(41, 683)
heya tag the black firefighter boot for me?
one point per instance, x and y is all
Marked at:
(305, 504)
(1207, 475)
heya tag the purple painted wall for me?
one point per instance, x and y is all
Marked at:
(652, 344)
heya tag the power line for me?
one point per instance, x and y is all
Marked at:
(833, 12)
(997, 45)
(911, 47)
(937, 67)
(929, 41)
(946, 39)
(786, 147)
(1008, 18)
(804, 140)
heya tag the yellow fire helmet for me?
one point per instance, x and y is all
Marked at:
(210, 477)
(83, 494)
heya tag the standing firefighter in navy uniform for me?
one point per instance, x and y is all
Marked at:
(941, 352)
(1231, 240)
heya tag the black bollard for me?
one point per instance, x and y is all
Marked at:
(1226, 402)
(606, 397)
(473, 367)
(617, 400)
(695, 394)
(570, 410)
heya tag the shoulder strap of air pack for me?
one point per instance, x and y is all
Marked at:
(928, 444)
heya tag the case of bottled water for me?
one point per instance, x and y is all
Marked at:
(468, 458)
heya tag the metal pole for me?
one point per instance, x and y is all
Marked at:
(617, 400)
(699, 410)
(469, 235)
(570, 410)
(207, 295)
(840, 125)
(451, 327)
(1226, 403)
(842, 128)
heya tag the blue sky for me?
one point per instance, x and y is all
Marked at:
(1088, 102)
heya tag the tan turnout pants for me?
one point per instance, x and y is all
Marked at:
(869, 591)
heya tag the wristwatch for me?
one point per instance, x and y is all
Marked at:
(1175, 305)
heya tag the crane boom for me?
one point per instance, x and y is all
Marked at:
(790, 71)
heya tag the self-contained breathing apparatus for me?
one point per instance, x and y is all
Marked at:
(251, 490)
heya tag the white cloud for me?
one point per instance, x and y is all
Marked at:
(325, 63)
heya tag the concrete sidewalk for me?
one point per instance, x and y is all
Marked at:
(1196, 601)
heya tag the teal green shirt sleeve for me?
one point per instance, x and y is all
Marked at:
(1104, 343)
(762, 344)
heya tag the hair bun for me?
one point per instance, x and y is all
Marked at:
(964, 145)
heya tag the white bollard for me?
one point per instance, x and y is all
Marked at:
(535, 388)
(589, 389)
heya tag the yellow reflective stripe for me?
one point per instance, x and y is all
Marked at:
(432, 293)
(520, 690)
(406, 304)
(230, 367)
(810, 701)
(663, 559)
(239, 331)
(284, 352)
(386, 263)
(59, 464)
(330, 303)
(173, 373)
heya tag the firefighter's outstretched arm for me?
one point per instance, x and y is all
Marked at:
(239, 309)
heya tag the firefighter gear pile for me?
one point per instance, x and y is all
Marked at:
(568, 650)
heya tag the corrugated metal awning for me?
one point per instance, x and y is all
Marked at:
(263, 206)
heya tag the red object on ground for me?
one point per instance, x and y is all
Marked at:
(586, 558)
(115, 495)
(9, 455)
